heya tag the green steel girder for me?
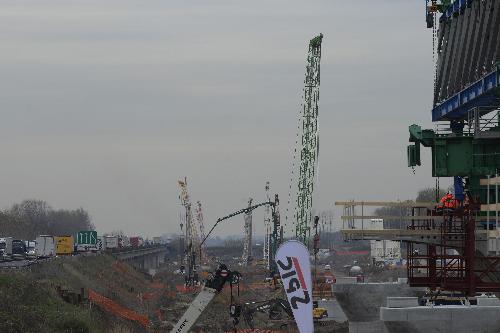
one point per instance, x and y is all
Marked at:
(457, 155)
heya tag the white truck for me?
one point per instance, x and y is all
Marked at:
(45, 246)
(111, 242)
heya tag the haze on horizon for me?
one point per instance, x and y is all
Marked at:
(106, 104)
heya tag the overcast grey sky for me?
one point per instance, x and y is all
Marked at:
(105, 104)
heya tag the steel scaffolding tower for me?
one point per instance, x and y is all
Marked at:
(199, 219)
(464, 146)
(267, 228)
(309, 143)
(247, 245)
(191, 236)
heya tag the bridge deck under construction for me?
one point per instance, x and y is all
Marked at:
(417, 236)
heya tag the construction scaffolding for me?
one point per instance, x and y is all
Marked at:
(447, 249)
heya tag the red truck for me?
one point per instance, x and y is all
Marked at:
(136, 241)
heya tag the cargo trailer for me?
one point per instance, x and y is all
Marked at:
(64, 245)
(45, 246)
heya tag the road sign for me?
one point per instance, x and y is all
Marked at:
(86, 237)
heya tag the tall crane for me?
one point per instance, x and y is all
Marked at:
(191, 234)
(267, 228)
(199, 219)
(309, 147)
(247, 245)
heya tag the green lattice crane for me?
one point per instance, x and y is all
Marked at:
(309, 143)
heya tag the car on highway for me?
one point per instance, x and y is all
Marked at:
(30, 249)
(2, 249)
(18, 250)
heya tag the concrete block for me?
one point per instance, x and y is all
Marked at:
(402, 302)
(488, 301)
(393, 314)
(346, 280)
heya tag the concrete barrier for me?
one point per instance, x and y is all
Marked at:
(346, 280)
(401, 302)
(488, 301)
(442, 319)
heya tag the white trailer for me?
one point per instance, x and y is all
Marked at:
(45, 246)
(8, 247)
(111, 242)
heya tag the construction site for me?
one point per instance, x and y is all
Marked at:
(428, 263)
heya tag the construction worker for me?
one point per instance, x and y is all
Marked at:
(447, 205)
(448, 202)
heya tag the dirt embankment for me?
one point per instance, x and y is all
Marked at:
(45, 298)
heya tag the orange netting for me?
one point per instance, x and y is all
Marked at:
(116, 309)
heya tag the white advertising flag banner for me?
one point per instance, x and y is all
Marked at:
(293, 263)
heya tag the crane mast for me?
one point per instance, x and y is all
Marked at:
(309, 143)
(199, 219)
(247, 245)
(192, 238)
(267, 228)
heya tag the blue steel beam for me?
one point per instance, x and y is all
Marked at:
(484, 92)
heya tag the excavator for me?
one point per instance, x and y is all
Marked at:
(274, 308)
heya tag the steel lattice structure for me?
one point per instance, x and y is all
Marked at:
(268, 229)
(467, 97)
(192, 238)
(199, 219)
(310, 141)
(247, 245)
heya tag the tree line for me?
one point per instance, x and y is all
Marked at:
(30, 218)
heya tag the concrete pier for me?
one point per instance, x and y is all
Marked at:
(481, 318)
(361, 302)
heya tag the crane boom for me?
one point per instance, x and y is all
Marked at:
(247, 244)
(310, 141)
(211, 288)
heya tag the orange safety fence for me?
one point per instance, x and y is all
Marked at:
(116, 309)
(157, 285)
